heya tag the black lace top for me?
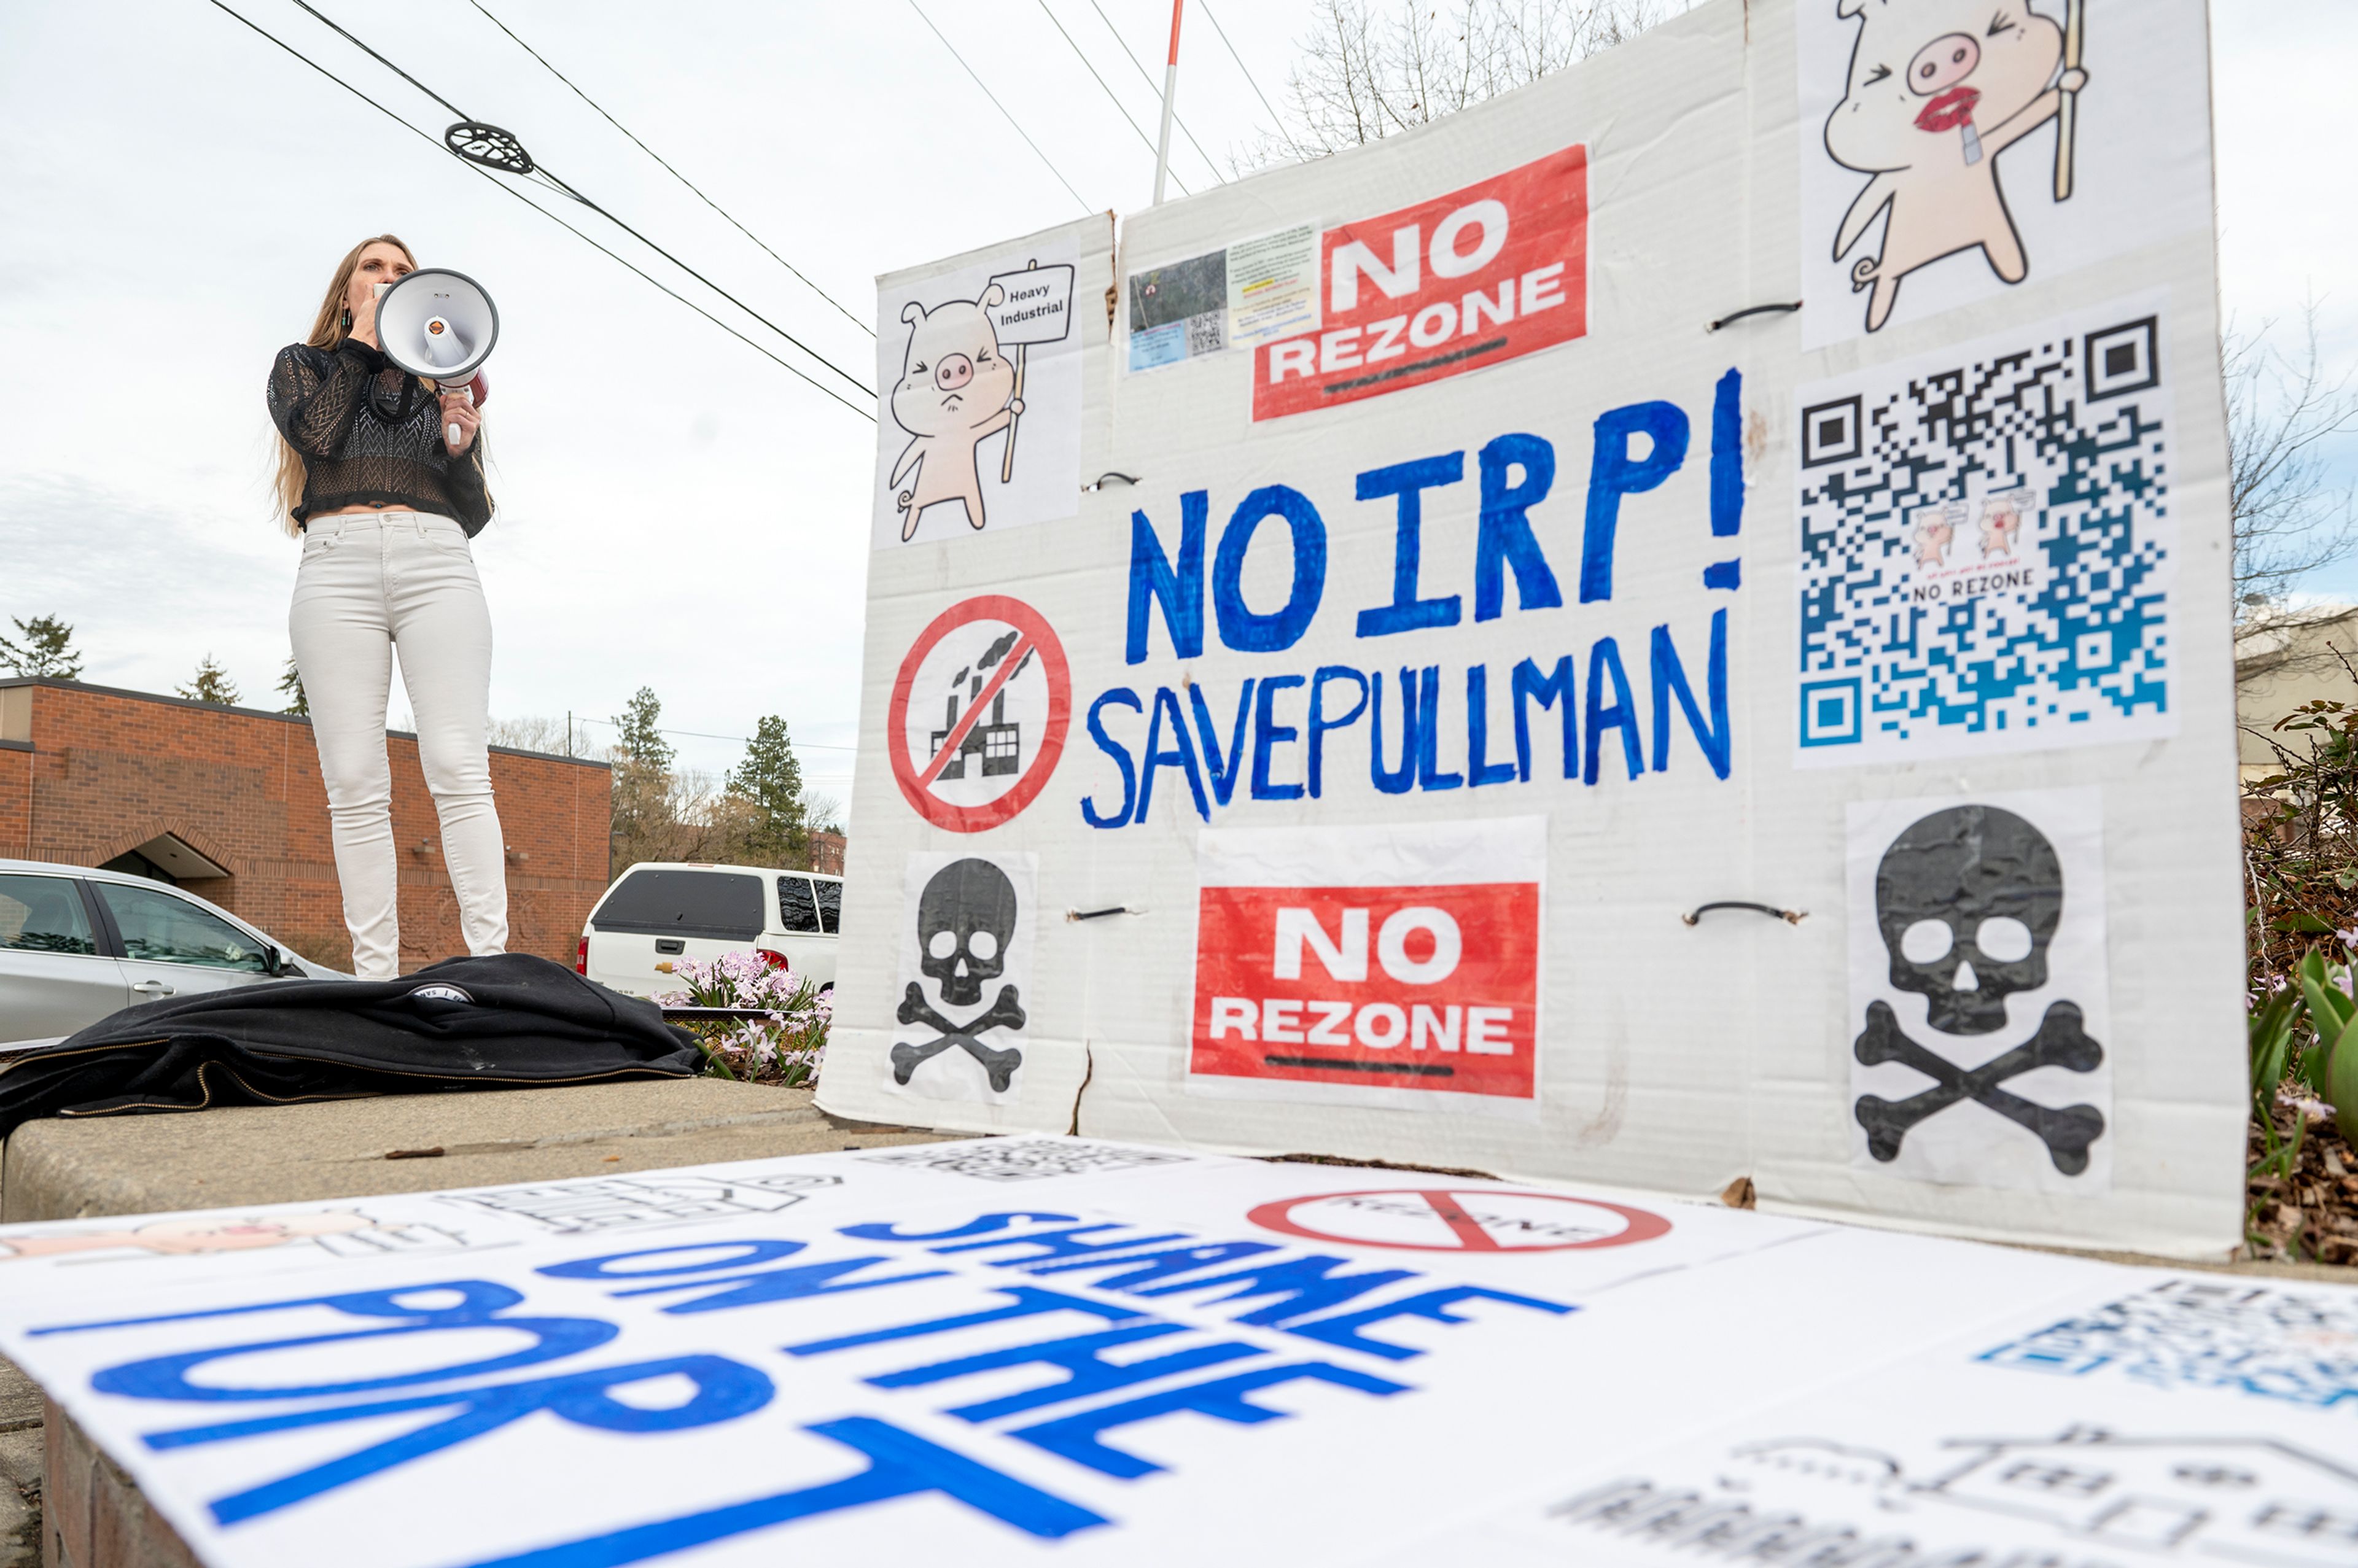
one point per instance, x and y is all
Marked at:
(369, 435)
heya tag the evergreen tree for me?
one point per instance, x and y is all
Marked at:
(639, 739)
(212, 685)
(643, 781)
(290, 685)
(46, 649)
(770, 780)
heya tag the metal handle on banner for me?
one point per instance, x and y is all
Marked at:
(1782, 310)
(1790, 916)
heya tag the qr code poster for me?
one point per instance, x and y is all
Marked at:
(2238, 1337)
(2192, 1422)
(966, 967)
(979, 361)
(1953, 150)
(1987, 547)
(1980, 1029)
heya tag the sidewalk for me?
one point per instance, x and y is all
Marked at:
(58, 1169)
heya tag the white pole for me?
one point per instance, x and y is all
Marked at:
(1170, 91)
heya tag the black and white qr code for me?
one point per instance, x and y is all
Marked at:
(656, 1198)
(1025, 1160)
(1207, 333)
(1987, 543)
(2297, 1346)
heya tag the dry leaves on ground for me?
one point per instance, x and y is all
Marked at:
(2311, 1216)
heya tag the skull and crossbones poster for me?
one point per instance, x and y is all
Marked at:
(965, 970)
(1980, 1037)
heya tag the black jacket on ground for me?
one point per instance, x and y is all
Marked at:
(508, 1021)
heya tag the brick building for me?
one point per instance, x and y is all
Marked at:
(227, 802)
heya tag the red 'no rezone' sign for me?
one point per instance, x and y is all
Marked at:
(1461, 1220)
(979, 713)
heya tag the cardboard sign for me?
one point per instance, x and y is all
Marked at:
(1014, 1349)
(1670, 567)
(1453, 284)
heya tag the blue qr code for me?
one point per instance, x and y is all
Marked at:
(1985, 547)
(2275, 1343)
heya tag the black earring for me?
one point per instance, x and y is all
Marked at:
(345, 319)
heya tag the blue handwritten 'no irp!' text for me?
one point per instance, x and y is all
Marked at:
(1282, 722)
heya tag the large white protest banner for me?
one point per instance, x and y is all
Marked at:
(1021, 1350)
(1653, 474)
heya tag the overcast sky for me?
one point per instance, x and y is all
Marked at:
(676, 511)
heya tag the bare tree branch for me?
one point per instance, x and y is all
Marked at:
(2284, 412)
(1367, 72)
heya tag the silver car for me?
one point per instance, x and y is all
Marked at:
(77, 944)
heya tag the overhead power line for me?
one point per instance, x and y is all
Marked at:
(563, 188)
(1100, 81)
(706, 735)
(1152, 87)
(499, 184)
(995, 103)
(651, 152)
(1249, 80)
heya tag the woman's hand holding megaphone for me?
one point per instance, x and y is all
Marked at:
(363, 327)
(459, 418)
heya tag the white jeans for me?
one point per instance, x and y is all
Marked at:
(368, 583)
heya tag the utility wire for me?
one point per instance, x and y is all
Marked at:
(651, 152)
(704, 735)
(1092, 70)
(499, 184)
(384, 62)
(1206, 6)
(1157, 91)
(563, 188)
(995, 103)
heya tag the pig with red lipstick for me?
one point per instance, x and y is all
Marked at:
(1938, 90)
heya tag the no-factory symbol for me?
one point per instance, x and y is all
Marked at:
(1461, 1220)
(979, 713)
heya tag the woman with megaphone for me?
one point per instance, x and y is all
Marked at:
(380, 475)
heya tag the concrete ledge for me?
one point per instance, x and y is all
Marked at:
(59, 1169)
(95, 1517)
(20, 1470)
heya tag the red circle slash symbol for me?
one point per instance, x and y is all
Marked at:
(981, 768)
(1462, 1219)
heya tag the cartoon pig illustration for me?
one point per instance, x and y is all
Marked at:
(2001, 524)
(954, 391)
(1936, 529)
(1938, 90)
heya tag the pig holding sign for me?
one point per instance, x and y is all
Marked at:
(955, 389)
(1938, 89)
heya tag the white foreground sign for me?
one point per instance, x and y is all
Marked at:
(1061, 1350)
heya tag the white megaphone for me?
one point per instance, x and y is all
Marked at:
(438, 325)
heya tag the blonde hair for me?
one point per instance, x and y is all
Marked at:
(328, 330)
